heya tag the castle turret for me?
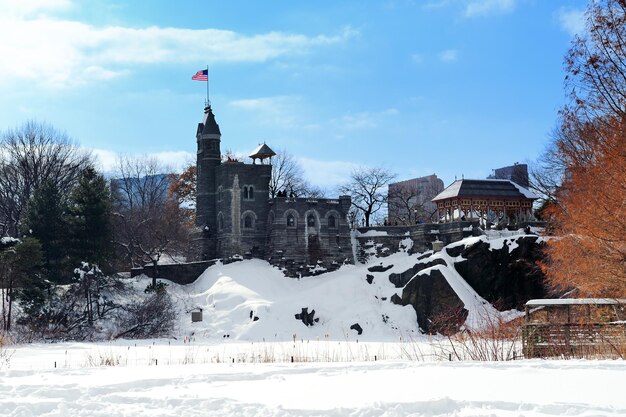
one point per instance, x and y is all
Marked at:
(208, 158)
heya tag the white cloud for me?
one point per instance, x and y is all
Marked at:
(364, 120)
(480, 8)
(276, 111)
(449, 55)
(417, 58)
(572, 21)
(32, 7)
(107, 160)
(327, 174)
(66, 52)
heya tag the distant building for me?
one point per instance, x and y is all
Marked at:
(409, 201)
(518, 173)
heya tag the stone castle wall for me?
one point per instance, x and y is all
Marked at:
(382, 241)
(308, 236)
(242, 191)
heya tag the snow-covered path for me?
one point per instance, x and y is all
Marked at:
(387, 388)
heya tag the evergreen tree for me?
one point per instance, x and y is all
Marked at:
(90, 220)
(46, 221)
(20, 278)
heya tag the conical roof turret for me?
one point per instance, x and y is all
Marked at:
(209, 126)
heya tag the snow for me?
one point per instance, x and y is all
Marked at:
(451, 190)
(532, 388)
(231, 365)
(228, 293)
(371, 233)
(525, 191)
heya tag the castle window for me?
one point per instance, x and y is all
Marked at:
(332, 222)
(219, 193)
(248, 192)
(247, 222)
(220, 222)
(291, 220)
(310, 220)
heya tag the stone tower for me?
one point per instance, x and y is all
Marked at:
(209, 158)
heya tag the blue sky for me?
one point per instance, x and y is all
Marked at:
(452, 87)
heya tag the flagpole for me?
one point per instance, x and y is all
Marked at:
(207, 86)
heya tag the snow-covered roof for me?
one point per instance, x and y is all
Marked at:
(486, 189)
(262, 151)
(571, 301)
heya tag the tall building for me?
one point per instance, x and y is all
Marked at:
(518, 173)
(409, 201)
(236, 216)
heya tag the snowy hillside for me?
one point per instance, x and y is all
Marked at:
(251, 300)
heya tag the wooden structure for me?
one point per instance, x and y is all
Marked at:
(262, 152)
(485, 199)
(575, 327)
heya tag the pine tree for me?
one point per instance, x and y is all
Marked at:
(46, 221)
(20, 278)
(91, 233)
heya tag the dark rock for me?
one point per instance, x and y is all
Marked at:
(505, 279)
(396, 299)
(455, 251)
(401, 279)
(255, 318)
(379, 268)
(306, 317)
(369, 278)
(357, 327)
(438, 308)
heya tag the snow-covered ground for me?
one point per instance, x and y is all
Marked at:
(363, 388)
(251, 300)
(249, 356)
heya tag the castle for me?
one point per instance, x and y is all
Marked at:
(236, 216)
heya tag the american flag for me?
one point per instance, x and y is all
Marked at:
(202, 75)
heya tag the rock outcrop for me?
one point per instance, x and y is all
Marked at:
(506, 278)
(438, 308)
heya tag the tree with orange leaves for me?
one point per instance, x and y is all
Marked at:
(589, 253)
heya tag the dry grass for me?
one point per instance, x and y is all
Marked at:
(5, 352)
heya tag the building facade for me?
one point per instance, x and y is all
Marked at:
(518, 173)
(236, 216)
(409, 201)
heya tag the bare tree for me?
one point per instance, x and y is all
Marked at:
(148, 222)
(287, 175)
(30, 155)
(367, 187)
(409, 204)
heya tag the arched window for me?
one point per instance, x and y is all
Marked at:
(247, 222)
(291, 220)
(219, 193)
(248, 192)
(220, 221)
(332, 222)
(310, 220)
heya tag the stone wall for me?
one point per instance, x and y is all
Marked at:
(184, 273)
(235, 202)
(311, 243)
(382, 241)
